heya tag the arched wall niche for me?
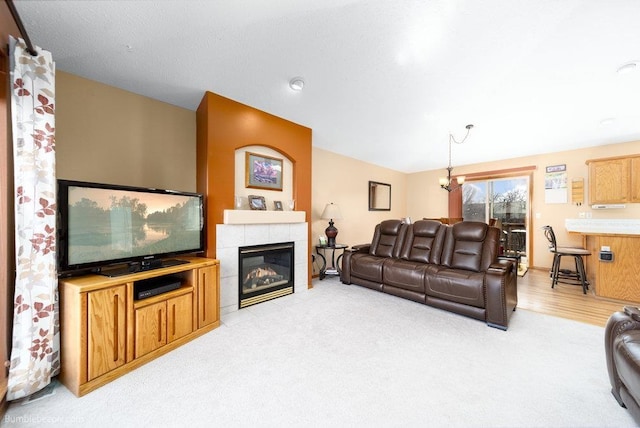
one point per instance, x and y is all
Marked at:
(286, 194)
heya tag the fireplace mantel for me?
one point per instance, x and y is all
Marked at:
(263, 217)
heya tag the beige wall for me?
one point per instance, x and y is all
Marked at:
(344, 181)
(105, 134)
(434, 200)
(108, 135)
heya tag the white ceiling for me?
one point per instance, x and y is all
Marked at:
(386, 81)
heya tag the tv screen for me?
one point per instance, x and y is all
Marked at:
(102, 224)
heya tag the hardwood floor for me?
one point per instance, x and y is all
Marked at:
(566, 301)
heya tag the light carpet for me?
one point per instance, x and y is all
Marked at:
(342, 355)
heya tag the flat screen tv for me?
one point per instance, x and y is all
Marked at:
(114, 230)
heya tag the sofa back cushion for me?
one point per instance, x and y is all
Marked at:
(424, 242)
(388, 238)
(470, 245)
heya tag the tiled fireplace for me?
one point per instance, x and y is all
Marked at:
(247, 229)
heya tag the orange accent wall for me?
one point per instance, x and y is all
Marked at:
(223, 126)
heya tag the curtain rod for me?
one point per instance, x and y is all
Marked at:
(23, 31)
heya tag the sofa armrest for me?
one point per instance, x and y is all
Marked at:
(618, 323)
(345, 274)
(360, 248)
(501, 282)
(501, 266)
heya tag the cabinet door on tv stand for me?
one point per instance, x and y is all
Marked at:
(208, 295)
(150, 328)
(106, 330)
(179, 316)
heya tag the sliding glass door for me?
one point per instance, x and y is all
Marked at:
(503, 201)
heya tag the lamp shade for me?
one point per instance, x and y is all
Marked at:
(331, 211)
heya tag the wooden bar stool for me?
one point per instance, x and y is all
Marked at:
(566, 276)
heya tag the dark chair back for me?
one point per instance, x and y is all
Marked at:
(470, 245)
(388, 238)
(551, 237)
(424, 242)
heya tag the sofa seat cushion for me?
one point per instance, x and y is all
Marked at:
(405, 274)
(627, 358)
(367, 266)
(457, 285)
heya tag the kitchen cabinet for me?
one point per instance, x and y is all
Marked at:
(614, 180)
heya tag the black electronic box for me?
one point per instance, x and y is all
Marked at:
(154, 286)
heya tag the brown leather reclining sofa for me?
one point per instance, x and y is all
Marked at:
(452, 267)
(622, 349)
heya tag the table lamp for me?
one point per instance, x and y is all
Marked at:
(331, 212)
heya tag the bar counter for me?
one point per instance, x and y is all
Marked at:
(620, 277)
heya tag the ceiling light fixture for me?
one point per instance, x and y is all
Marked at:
(628, 67)
(297, 83)
(446, 182)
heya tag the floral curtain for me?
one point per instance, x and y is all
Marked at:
(35, 355)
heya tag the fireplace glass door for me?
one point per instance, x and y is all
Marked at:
(266, 272)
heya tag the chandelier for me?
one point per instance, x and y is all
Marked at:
(445, 182)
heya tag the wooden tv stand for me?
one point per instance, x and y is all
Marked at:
(105, 332)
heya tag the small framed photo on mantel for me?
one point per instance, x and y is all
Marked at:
(257, 203)
(277, 205)
(263, 172)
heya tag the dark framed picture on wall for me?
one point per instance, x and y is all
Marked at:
(263, 172)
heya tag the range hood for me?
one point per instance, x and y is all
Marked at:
(607, 206)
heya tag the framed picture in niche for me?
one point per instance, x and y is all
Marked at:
(277, 205)
(263, 172)
(257, 203)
